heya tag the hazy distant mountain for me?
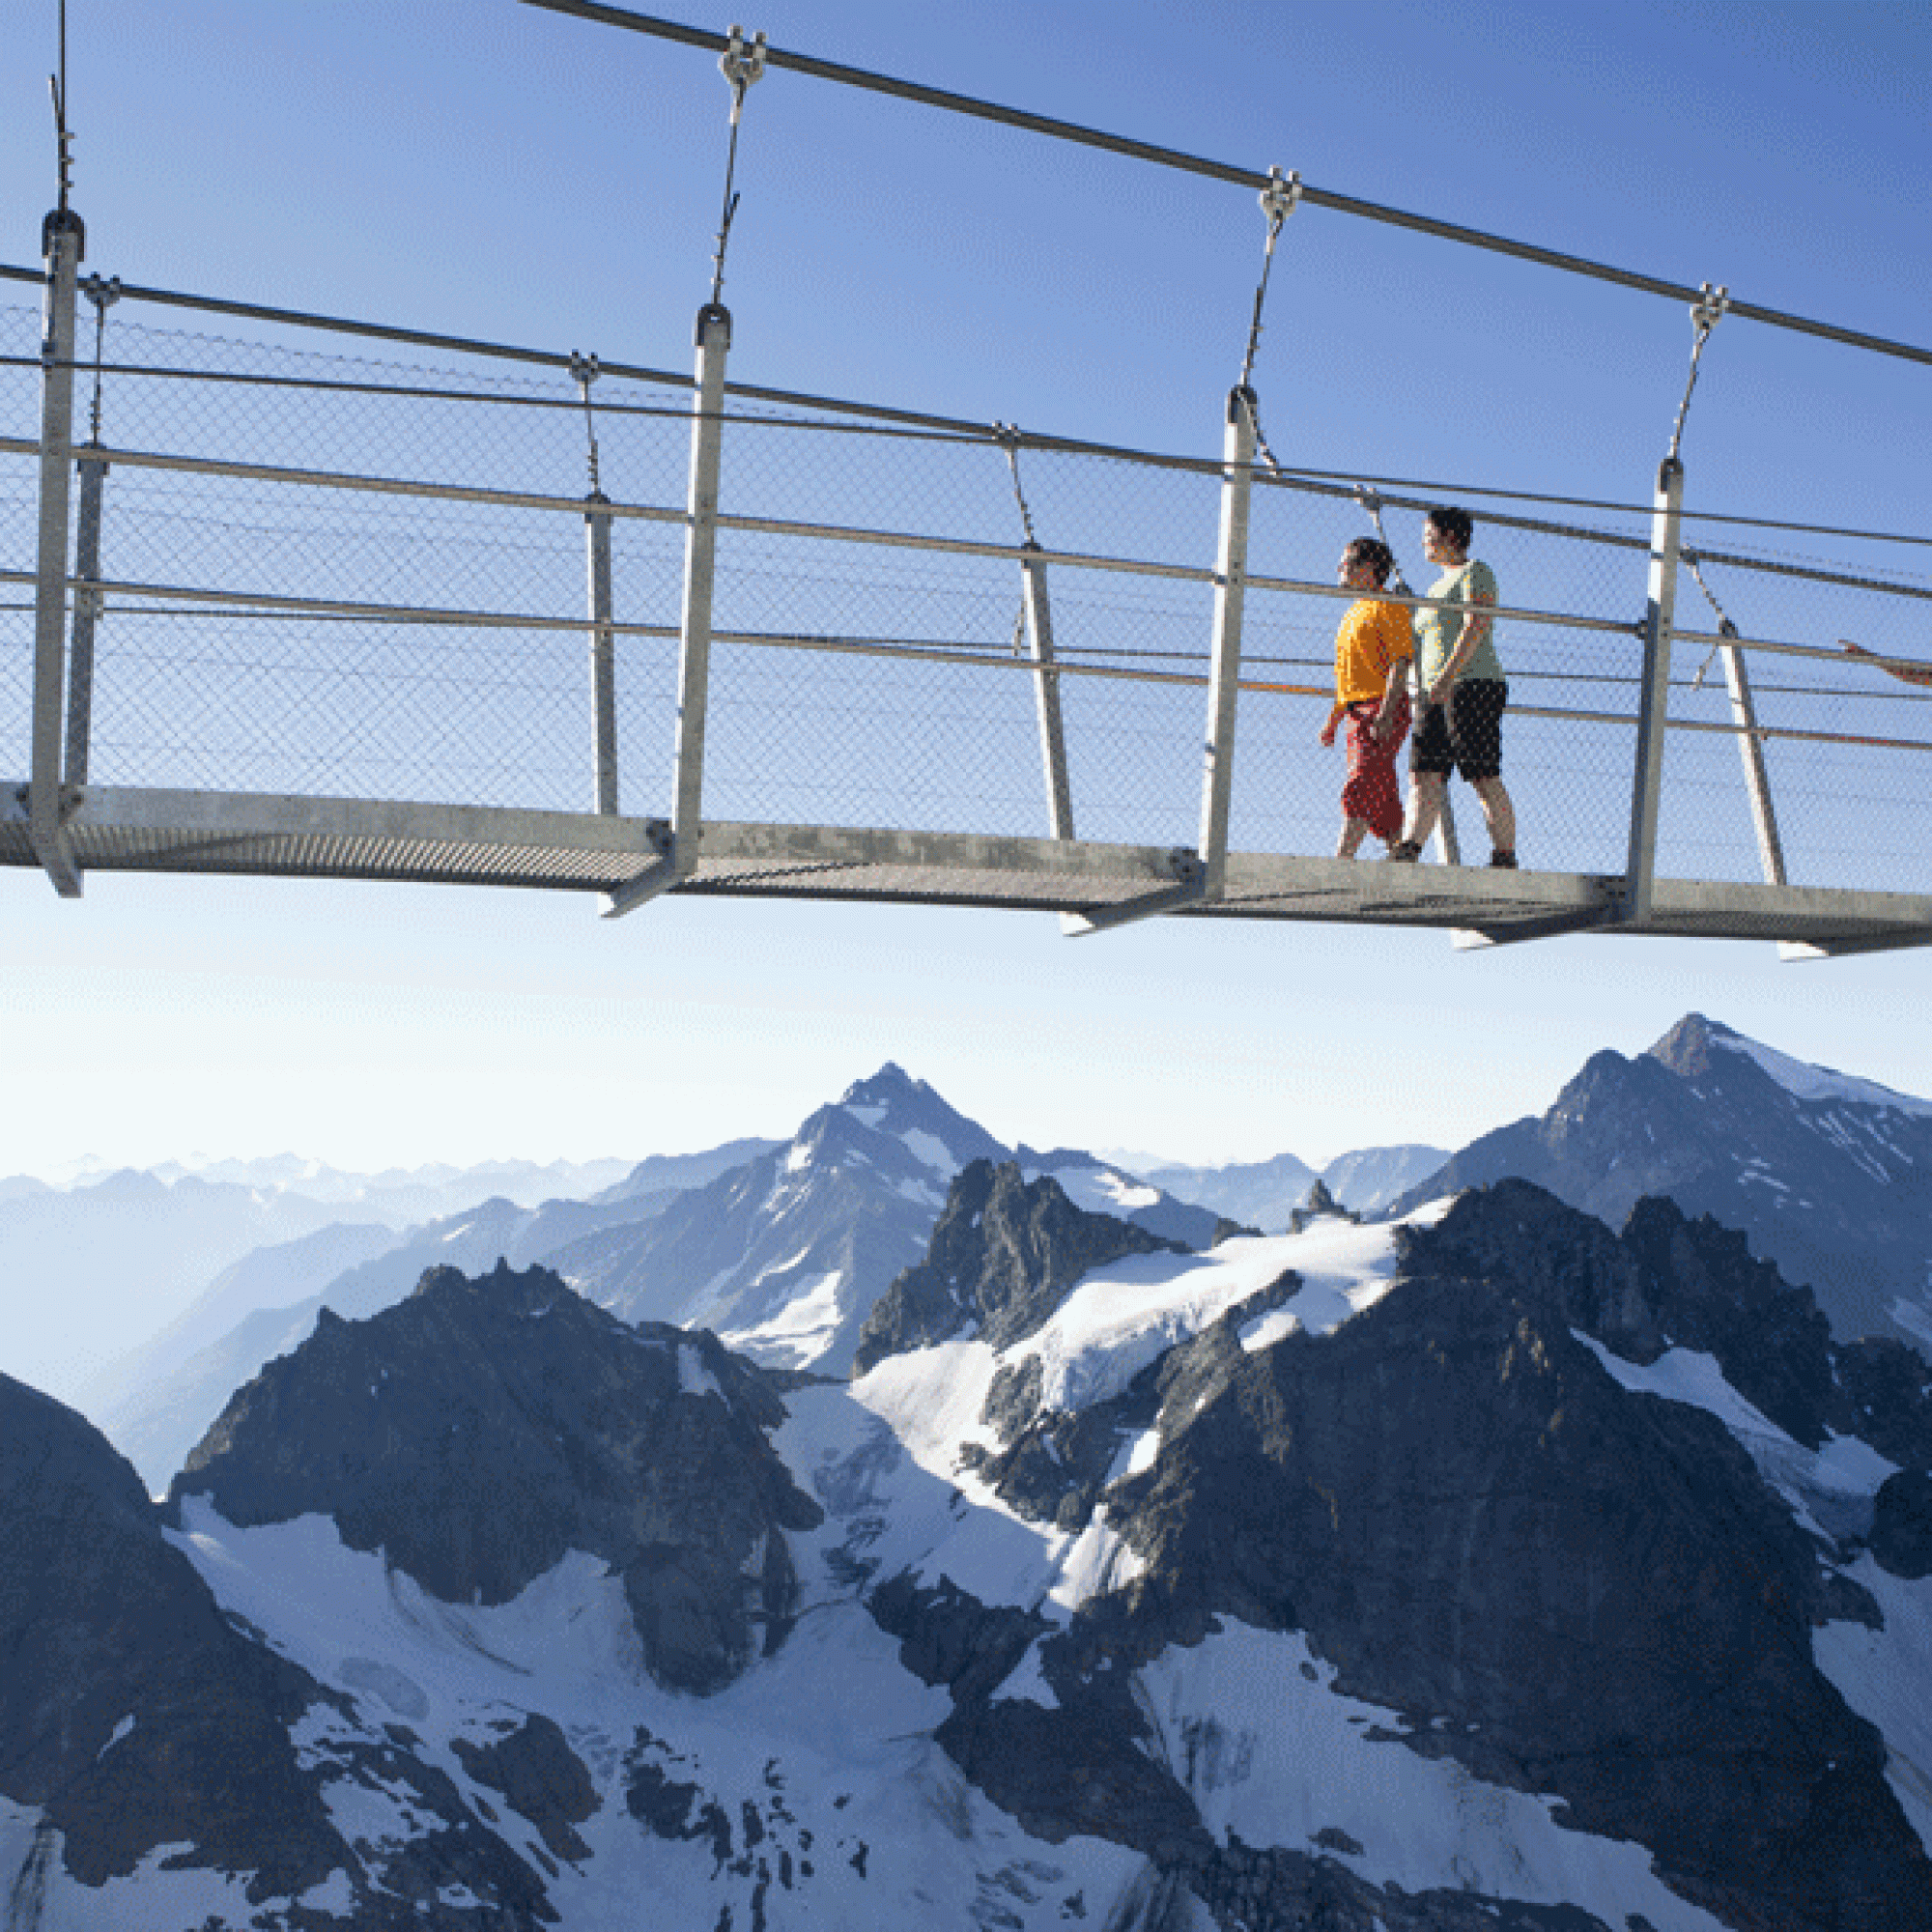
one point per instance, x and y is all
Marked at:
(1828, 1176)
(670, 1173)
(94, 1271)
(266, 1278)
(1265, 1193)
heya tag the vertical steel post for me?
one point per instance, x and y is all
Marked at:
(603, 653)
(92, 471)
(1750, 748)
(63, 242)
(1046, 694)
(1231, 582)
(700, 561)
(1666, 537)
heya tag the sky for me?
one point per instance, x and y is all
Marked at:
(491, 170)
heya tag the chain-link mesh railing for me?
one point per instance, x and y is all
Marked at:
(332, 576)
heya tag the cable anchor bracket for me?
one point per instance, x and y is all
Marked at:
(743, 64)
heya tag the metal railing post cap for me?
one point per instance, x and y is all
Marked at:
(1243, 397)
(1671, 470)
(64, 221)
(713, 315)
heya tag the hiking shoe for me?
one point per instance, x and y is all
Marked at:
(1505, 859)
(1403, 852)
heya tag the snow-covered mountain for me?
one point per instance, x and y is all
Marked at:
(1830, 1175)
(785, 1257)
(1489, 1570)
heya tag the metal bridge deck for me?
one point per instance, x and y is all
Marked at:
(124, 830)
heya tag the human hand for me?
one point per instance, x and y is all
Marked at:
(1328, 734)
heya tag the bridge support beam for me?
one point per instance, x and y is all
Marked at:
(694, 673)
(1046, 694)
(1224, 677)
(1666, 542)
(603, 655)
(63, 241)
(87, 606)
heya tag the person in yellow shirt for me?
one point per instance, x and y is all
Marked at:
(1373, 650)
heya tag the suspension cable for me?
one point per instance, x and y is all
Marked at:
(1170, 157)
(63, 139)
(584, 369)
(1279, 200)
(741, 64)
(1706, 312)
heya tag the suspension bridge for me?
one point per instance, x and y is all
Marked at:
(324, 598)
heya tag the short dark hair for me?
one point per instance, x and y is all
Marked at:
(1374, 553)
(1458, 525)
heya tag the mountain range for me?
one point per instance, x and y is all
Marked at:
(1486, 1568)
(782, 1248)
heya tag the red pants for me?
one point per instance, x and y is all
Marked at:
(1373, 791)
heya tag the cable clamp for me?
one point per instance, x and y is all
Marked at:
(741, 65)
(1280, 198)
(1710, 307)
(584, 369)
(104, 291)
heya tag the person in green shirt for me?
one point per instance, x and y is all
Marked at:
(1463, 694)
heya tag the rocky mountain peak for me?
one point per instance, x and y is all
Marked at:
(483, 1429)
(1004, 1254)
(1687, 1049)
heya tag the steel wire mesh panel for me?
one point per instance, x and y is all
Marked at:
(19, 512)
(1850, 803)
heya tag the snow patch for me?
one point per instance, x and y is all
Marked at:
(1882, 1674)
(693, 1376)
(1806, 1082)
(1249, 1721)
(802, 1330)
(930, 1149)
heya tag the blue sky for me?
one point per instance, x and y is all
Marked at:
(491, 170)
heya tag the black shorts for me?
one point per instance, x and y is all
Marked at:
(1465, 735)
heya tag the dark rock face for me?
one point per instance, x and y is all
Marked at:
(1901, 1537)
(482, 1429)
(1836, 1190)
(540, 1777)
(102, 1622)
(1003, 1256)
(1884, 1394)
